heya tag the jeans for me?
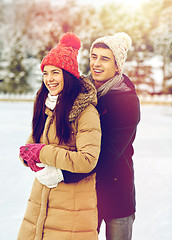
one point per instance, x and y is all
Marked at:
(120, 228)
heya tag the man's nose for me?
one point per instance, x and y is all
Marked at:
(97, 62)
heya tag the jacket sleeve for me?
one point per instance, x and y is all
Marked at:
(88, 140)
(70, 177)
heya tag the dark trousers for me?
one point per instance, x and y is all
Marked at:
(119, 228)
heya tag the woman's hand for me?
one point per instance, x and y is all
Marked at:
(30, 154)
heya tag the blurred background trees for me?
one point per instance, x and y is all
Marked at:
(29, 29)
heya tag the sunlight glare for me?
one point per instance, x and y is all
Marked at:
(130, 3)
(133, 3)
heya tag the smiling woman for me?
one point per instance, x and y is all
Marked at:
(53, 79)
(66, 135)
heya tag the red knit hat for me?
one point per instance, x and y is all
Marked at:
(64, 55)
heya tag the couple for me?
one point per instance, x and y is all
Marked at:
(81, 148)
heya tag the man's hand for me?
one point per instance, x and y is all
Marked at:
(49, 175)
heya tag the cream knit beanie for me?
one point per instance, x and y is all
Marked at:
(119, 44)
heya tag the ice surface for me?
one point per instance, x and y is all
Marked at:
(152, 161)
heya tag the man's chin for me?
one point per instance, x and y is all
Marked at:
(97, 78)
(99, 83)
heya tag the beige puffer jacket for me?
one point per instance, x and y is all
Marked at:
(68, 211)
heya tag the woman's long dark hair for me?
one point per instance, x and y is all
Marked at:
(72, 88)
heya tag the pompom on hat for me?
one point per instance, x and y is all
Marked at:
(64, 55)
(119, 44)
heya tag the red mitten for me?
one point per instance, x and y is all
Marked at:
(33, 166)
(30, 154)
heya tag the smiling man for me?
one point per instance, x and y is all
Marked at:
(103, 65)
(119, 110)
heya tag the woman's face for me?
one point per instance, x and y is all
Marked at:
(53, 79)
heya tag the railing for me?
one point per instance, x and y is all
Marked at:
(17, 97)
(156, 99)
(144, 99)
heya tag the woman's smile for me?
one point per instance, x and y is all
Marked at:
(53, 79)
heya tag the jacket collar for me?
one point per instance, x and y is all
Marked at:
(87, 96)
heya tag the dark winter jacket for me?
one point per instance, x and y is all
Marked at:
(119, 115)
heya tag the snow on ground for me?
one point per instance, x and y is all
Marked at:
(152, 161)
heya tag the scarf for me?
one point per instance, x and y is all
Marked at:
(51, 101)
(115, 83)
(112, 82)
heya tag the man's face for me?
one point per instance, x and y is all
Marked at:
(102, 65)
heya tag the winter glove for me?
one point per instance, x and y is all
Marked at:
(30, 154)
(49, 175)
(33, 166)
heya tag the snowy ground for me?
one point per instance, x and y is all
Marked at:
(153, 171)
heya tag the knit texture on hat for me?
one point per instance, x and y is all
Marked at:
(64, 55)
(119, 44)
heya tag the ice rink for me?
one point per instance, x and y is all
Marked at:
(152, 162)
